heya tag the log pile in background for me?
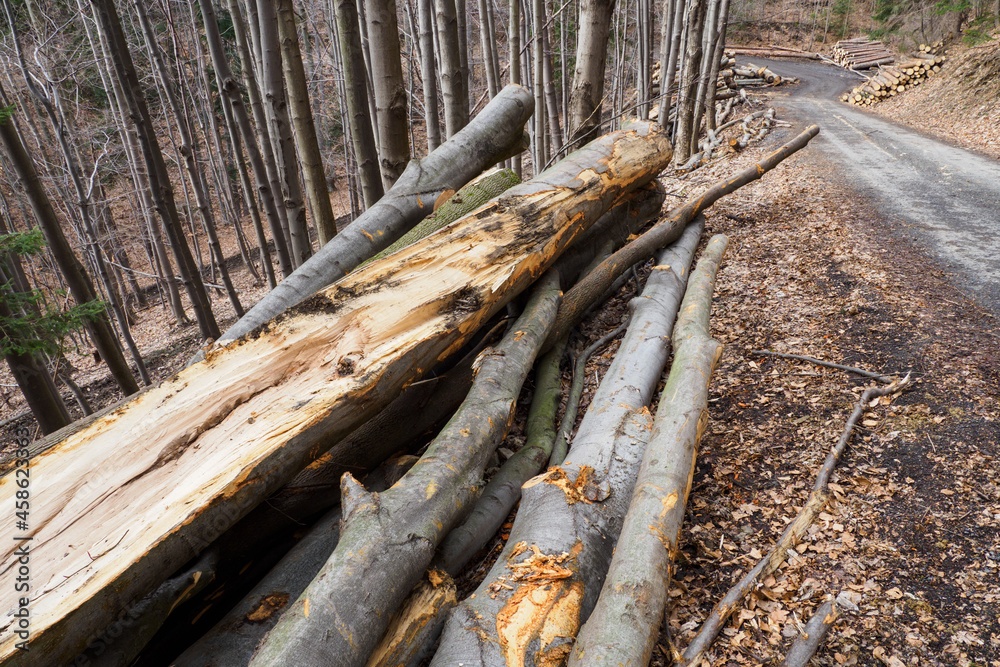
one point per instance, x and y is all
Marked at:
(894, 79)
(860, 53)
(935, 49)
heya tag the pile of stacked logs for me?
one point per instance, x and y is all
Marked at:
(892, 80)
(176, 525)
(935, 49)
(860, 53)
(733, 79)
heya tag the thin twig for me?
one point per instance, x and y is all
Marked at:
(885, 379)
(789, 538)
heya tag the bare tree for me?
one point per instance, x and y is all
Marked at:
(304, 130)
(280, 128)
(428, 73)
(356, 100)
(456, 97)
(162, 190)
(189, 151)
(588, 77)
(390, 93)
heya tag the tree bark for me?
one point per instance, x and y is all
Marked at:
(588, 76)
(390, 93)
(240, 424)
(189, 151)
(35, 382)
(807, 643)
(576, 301)
(455, 97)
(428, 73)
(162, 191)
(356, 100)
(303, 128)
(280, 131)
(687, 89)
(623, 627)
(528, 610)
(486, 140)
(387, 539)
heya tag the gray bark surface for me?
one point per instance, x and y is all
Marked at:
(571, 514)
(388, 539)
(623, 627)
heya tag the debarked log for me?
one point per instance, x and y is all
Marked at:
(126, 500)
(623, 627)
(544, 584)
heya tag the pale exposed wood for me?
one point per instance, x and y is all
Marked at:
(128, 499)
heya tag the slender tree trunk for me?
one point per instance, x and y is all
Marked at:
(76, 277)
(455, 97)
(355, 77)
(707, 49)
(36, 385)
(668, 62)
(189, 151)
(248, 43)
(280, 128)
(304, 130)
(588, 76)
(161, 260)
(428, 73)
(540, 156)
(162, 191)
(687, 90)
(718, 49)
(390, 93)
(514, 56)
(230, 90)
(488, 48)
(551, 103)
(258, 226)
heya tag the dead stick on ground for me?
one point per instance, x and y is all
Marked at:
(793, 533)
(809, 641)
(885, 379)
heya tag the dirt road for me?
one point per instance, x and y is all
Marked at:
(941, 198)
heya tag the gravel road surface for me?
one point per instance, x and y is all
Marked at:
(942, 198)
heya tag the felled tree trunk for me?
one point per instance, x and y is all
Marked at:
(622, 629)
(528, 609)
(232, 640)
(416, 626)
(388, 539)
(490, 137)
(127, 499)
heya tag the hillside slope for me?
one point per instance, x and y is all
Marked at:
(960, 104)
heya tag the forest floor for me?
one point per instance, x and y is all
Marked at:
(911, 534)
